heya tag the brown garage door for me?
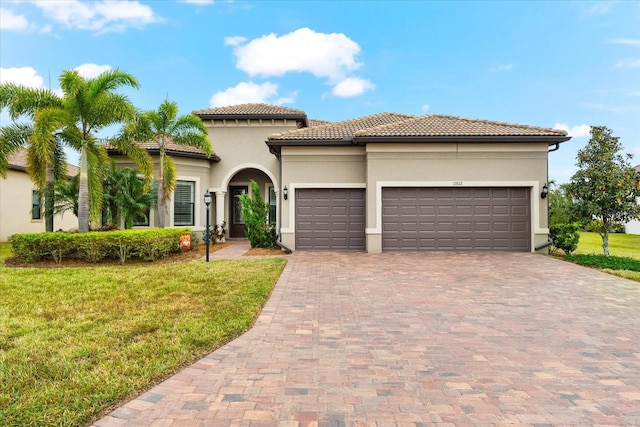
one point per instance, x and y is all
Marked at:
(330, 218)
(458, 218)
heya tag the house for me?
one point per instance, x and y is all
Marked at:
(21, 206)
(633, 227)
(385, 182)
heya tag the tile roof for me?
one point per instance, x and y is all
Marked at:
(338, 131)
(317, 122)
(251, 110)
(435, 125)
(171, 148)
(18, 161)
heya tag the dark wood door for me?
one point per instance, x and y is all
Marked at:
(236, 222)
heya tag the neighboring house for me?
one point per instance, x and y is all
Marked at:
(384, 182)
(633, 227)
(21, 206)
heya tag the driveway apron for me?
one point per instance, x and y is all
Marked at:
(416, 339)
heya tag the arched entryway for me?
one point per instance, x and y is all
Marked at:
(238, 182)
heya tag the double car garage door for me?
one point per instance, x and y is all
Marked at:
(417, 219)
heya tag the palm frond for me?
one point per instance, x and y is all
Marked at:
(12, 137)
(169, 175)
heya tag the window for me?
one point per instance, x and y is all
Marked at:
(183, 206)
(36, 205)
(141, 220)
(272, 205)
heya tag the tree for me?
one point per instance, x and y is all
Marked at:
(88, 106)
(126, 196)
(165, 127)
(46, 160)
(255, 213)
(561, 209)
(66, 195)
(605, 187)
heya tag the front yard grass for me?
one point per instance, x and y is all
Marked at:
(76, 342)
(624, 250)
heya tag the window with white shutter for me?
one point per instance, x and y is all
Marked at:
(183, 203)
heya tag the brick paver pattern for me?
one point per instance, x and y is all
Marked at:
(396, 339)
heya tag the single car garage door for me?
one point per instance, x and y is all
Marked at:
(458, 218)
(330, 218)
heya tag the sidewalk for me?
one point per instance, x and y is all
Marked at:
(234, 249)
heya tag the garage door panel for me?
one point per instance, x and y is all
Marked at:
(456, 219)
(330, 219)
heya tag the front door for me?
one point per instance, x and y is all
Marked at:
(236, 223)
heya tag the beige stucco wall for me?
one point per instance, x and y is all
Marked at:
(455, 165)
(15, 208)
(414, 164)
(318, 167)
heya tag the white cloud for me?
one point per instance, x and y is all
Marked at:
(330, 56)
(503, 67)
(352, 86)
(629, 42)
(425, 107)
(26, 76)
(574, 131)
(234, 41)
(628, 63)
(599, 8)
(11, 21)
(90, 71)
(244, 92)
(100, 16)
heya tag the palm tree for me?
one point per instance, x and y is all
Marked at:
(88, 106)
(126, 196)
(67, 196)
(46, 160)
(165, 127)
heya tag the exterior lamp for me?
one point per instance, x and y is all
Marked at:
(545, 191)
(285, 193)
(207, 202)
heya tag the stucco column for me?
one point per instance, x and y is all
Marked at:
(220, 207)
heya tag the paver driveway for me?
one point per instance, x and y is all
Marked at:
(350, 339)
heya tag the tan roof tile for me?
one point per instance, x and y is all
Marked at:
(339, 130)
(18, 160)
(439, 125)
(251, 110)
(317, 122)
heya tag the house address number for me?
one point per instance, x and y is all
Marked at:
(457, 182)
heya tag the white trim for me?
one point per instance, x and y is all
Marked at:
(229, 176)
(534, 199)
(292, 187)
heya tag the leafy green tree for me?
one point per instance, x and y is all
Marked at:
(165, 127)
(255, 212)
(605, 187)
(46, 160)
(561, 209)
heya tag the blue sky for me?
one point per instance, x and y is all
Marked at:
(544, 63)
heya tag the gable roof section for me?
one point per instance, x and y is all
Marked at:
(252, 111)
(393, 127)
(18, 161)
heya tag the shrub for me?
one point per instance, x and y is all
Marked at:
(601, 261)
(98, 246)
(565, 237)
(255, 213)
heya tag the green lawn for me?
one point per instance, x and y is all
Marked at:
(627, 245)
(74, 342)
(620, 245)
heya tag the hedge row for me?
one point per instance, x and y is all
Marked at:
(98, 246)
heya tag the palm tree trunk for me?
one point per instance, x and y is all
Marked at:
(83, 194)
(49, 200)
(162, 203)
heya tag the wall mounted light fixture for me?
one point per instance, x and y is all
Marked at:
(285, 193)
(545, 191)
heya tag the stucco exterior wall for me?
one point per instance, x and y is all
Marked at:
(318, 167)
(453, 165)
(15, 208)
